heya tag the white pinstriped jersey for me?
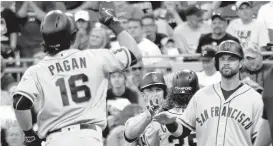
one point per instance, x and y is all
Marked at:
(71, 86)
(157, 135)
(220, 122)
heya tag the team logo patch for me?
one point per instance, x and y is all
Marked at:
(227, 45)
(154, 77)
(182, 89)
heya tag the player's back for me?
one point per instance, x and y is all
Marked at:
(166, 139)
(72, 87)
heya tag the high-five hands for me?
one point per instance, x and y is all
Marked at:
(164, 118)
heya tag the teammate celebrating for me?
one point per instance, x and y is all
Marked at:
(154, 91)
(225, 113)
(184, 86)
(71, 84)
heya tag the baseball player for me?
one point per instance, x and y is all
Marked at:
(138, 129)
(185, 84)
(225, 113)
(71, 84)
(263, 137)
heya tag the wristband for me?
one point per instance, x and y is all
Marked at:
(116, 27)
(30, 132)
(172, 127)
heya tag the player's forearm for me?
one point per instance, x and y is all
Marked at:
(263, 138)
(126, 40)
(137, 126)
(24, 119)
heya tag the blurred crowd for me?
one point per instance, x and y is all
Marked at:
(159, 28)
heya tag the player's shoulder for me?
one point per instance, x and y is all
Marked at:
(247, 89)
(95, 51)
(33, 69)
(206, 89)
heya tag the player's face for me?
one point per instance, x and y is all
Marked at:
(229, 65)
(96, 37)
(134, 28)
(117, 80)
(218, 26)
(14, 136)
(153, 92)
(245, 12)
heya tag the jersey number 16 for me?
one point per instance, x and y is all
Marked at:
(74, 89)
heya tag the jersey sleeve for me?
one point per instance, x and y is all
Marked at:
(152, 134)
(115, 59)
(189, 115)
(28, 86)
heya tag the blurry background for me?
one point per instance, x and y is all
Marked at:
(171, 36)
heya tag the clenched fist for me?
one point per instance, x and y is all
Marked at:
(107, 13)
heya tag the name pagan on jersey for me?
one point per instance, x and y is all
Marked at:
(228, 112)
(67, 65)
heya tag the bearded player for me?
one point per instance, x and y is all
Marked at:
(71, 84)
(225, 113)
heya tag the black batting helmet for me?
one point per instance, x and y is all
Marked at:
(185, 84)
(228, 47)
(153, 79)
(58, 31)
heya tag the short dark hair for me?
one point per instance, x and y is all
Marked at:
(135, 20)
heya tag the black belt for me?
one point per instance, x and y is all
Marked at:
(82, 126)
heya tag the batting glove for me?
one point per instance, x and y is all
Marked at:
(32, 139)
(107, 13)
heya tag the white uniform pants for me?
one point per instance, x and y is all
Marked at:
(75, 137)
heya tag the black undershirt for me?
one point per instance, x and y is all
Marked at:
(228, 93)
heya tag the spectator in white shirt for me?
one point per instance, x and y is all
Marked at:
(265, 15)
(147, 47)
(186, 35)
(246, 28)
(209, 75)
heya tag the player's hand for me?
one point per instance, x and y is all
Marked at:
(164, 118)
(32, 139)
(153, 107)
(107, 12)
